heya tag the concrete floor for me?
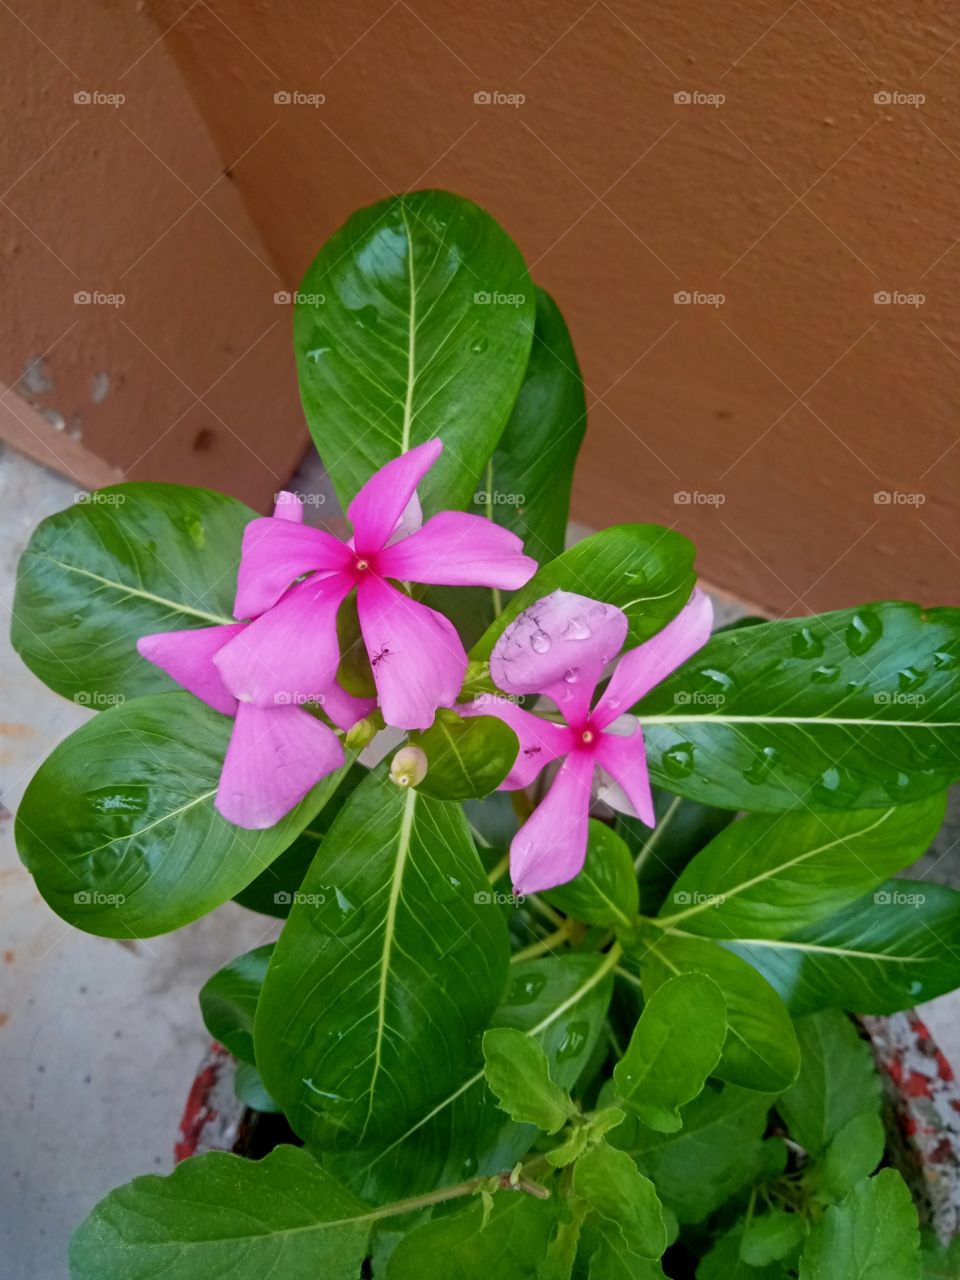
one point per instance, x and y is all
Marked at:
(99, 1040)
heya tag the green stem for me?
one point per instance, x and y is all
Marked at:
(656, 834)
(547, 944)
(497, 871)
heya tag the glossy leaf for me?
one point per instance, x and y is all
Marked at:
(130, 560)
(674, 1048)
(218, 1214)
(683, 828)
(767, 876)
(118, 825)
(413, 321)
(888, 951)
(612, 1185)
(561, 1001)
(390, 962)
(838, 1080)
(605, 891)
(466, 758)
(871, 1235)
(518, 1071)
(228, 1001)
(857, 709)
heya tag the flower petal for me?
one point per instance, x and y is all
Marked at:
(540, 741)
(417, 658)
(459, 550)
(643, 668)
(187, 656)
(288, 506)
(550, 847)
(625, 760)
(275, 553)
(290, 653)
(559, 646)
(343, 708)
(275, 756)
(381, 503)
(409, 522)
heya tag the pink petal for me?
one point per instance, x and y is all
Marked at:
(290, 653)
(409, 522)
(458, 550)
(276, 755)
(550, 847)
(559, 646)
(625, 760)
(417, 658)
(540, 741)
(380, 504)
(343, 708)
(643, 668)
(276, 553)
(288, 507)
(188, 657)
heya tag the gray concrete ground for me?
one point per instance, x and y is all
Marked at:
(99, 1040)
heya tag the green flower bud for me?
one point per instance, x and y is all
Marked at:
(363, 731)
(409, 766)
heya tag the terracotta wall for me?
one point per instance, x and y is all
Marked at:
(784, 184)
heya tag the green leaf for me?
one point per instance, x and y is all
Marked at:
(871, 1235)
(724, 1261)
(605, 891)
(719, 1150)
(392, 927)
(219, 1214)
(771, 1236)
(760, 1051)
(250, 1089)
(674, 1047)
(837, 1081)
(130, 560)
(940, 1262)
(395, 342)
(886, 952)
(466, 758)
(683, 828)
(613, 1186)
(765, 876)
(228, 1001)
(560, 1001)
(510, 1246)
(643, 569)
(854, 1152)
(611, 1259)
(518, 1071)
(857, 709)
(118, 825)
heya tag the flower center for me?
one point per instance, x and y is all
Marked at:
(587, 736)
(361, 564)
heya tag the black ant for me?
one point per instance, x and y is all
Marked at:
(379, 657)
(531, 751)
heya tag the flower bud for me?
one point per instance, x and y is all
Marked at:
(409, 766)
(363, 731)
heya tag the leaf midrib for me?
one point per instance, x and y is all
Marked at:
(125, 588)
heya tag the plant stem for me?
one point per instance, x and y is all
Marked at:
(552, 940)
(497, 871)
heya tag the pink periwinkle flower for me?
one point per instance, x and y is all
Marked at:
(416, 655)
(559, 647)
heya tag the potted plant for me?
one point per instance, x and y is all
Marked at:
(576, 893)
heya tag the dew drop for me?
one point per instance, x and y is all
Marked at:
(834, 788)
(469, 1166)
(117, 800)
(479, 345)
(524, 990)
(539, 642)
(317, 354)
(573, 1042)
(758, 771)
(572, 675)
(678, 760)
(864, 631)
(944, 661)
(910, 678)
(806, 645)
(721, 678)
(577, 629)
(366, 317)
(825, 674)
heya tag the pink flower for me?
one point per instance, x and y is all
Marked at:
(559, 647)
(417, 658)
(277, 753)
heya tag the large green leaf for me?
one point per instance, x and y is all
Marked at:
(683, 827)
(643, 569)
(390, 963)
(561, 1001)
(228, 1001)
(760, 1051)
(837, 1081)
(611, 1184)
(222, 1215)
(131, 560)
(766, 876)
(118, 825)
(854, 1152)
(871, 1235)
(413, 321)
(857, 709)
(895, 948)
(605, 891)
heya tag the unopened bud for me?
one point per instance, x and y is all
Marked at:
(409, 766)
(363, 731)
